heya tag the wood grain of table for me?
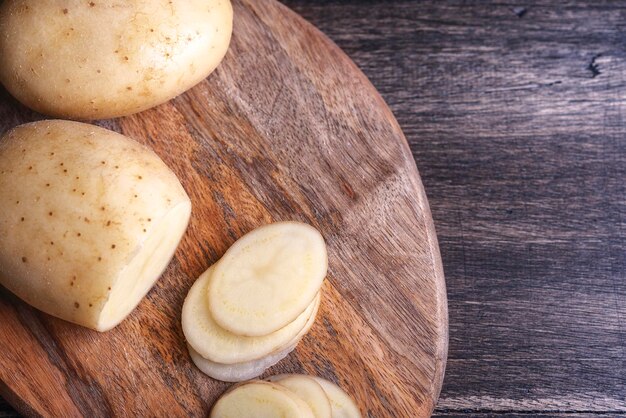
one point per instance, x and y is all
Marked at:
(515, 115)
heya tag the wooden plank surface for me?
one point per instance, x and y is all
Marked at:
(515, 115)
(287, 128)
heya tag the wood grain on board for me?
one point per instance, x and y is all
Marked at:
(286, 128)
(515, 113)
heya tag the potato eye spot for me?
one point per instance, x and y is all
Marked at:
(76, 305)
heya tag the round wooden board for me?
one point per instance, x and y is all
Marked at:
(287, 128)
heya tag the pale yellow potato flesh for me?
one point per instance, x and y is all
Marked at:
(89, 219)
(239, 372)
(267, 278)
(221, 346)
(260, 400)
(107, 58)
(308, 390)
(341, 404)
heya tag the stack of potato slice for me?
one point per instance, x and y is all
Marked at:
(291, 395)
(250, 309)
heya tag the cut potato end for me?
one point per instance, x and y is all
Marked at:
(238, 372)
(309, 390)
(147, 265)
(221, 346)
(260, 400)
(267, 278)
(342, 404)
(88, 218)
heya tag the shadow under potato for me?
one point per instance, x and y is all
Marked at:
(13, 113)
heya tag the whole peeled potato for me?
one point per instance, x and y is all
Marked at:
(98, 59)
(89, 219)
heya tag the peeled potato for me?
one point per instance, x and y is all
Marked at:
(238, 372)
(342, 405)
(267, 278)
(221, 346)
(106, 58)
(89, 219)
(308, 390)
(260, 400)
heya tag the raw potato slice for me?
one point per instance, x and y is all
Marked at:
(267, 278)
(218, 345)
(309, 390)
(260, 400)
(342, 405)
(89, 219)
(238, 372)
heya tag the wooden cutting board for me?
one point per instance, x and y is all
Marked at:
(287, 128)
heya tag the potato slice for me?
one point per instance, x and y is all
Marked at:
(221, 346)
(260, 400)
(239, 372)
(341, 404)
(267, 278)
(89, 219)
(309, 390)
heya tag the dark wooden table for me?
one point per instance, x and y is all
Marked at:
(515, 114)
